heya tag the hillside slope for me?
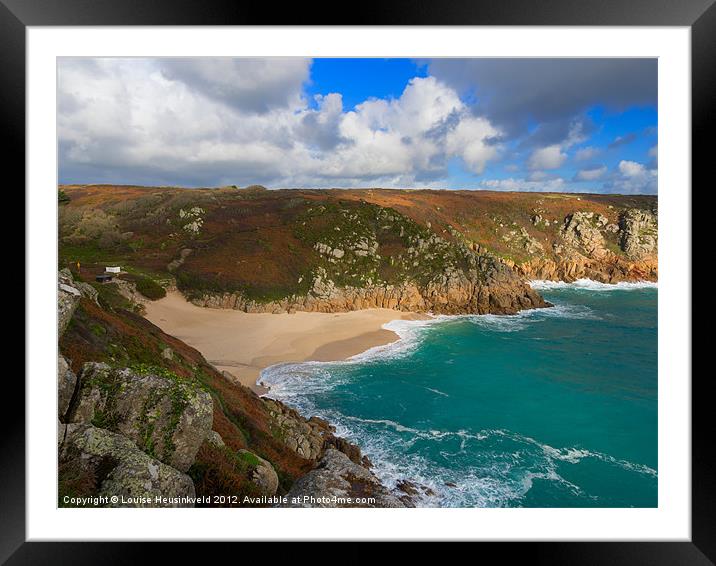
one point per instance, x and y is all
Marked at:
(336, 250)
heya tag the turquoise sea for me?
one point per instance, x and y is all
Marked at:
(554, 407)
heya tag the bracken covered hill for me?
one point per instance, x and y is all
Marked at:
(332, 250)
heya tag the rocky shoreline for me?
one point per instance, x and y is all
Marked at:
(611, 269)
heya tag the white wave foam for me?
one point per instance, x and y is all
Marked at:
(388, 423)
(495, 485)
(498, 482)
(503, 477)
(574, 312)
(576, 455)
(501, 323)
(591, 285)
(410, 333)
(294, 381)
(520, 321)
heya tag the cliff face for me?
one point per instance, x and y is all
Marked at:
(584, 250)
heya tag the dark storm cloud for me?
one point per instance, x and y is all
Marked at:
(514, 93)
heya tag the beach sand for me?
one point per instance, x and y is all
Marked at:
(243, 344)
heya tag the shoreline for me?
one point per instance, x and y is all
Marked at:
(242, 344)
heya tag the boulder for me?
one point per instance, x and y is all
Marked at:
(337, 482)
(120, 470)
(413, 492)
(262, 473)
(165, 416)
(214, 438)
(348, 448)
(68, 296)
(66, 383)
(69, 293)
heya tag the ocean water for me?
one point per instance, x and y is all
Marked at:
(549, 408)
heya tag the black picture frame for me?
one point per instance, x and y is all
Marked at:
(699, 15)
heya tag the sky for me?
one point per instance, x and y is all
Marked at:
(567, 125)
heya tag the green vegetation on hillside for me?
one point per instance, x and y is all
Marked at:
(270, 245)
(147, 286)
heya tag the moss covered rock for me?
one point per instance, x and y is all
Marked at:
(165, 416)
(123, 474)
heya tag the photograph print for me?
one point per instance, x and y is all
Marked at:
(357, 282)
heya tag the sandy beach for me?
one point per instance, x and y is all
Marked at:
(243, 344)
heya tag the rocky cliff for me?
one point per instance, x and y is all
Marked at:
(488, 287)
(584, 249)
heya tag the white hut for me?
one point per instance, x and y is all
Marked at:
(116, 269)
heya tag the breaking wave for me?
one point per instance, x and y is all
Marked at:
(590, 285)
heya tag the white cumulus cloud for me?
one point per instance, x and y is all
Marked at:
(472, 139)
(209, 122)
(632, 177)
(550, 157)
(587, 153)
(591, 174)
(631, 168)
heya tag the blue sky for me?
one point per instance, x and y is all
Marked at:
(360, 79)
(503, 124)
